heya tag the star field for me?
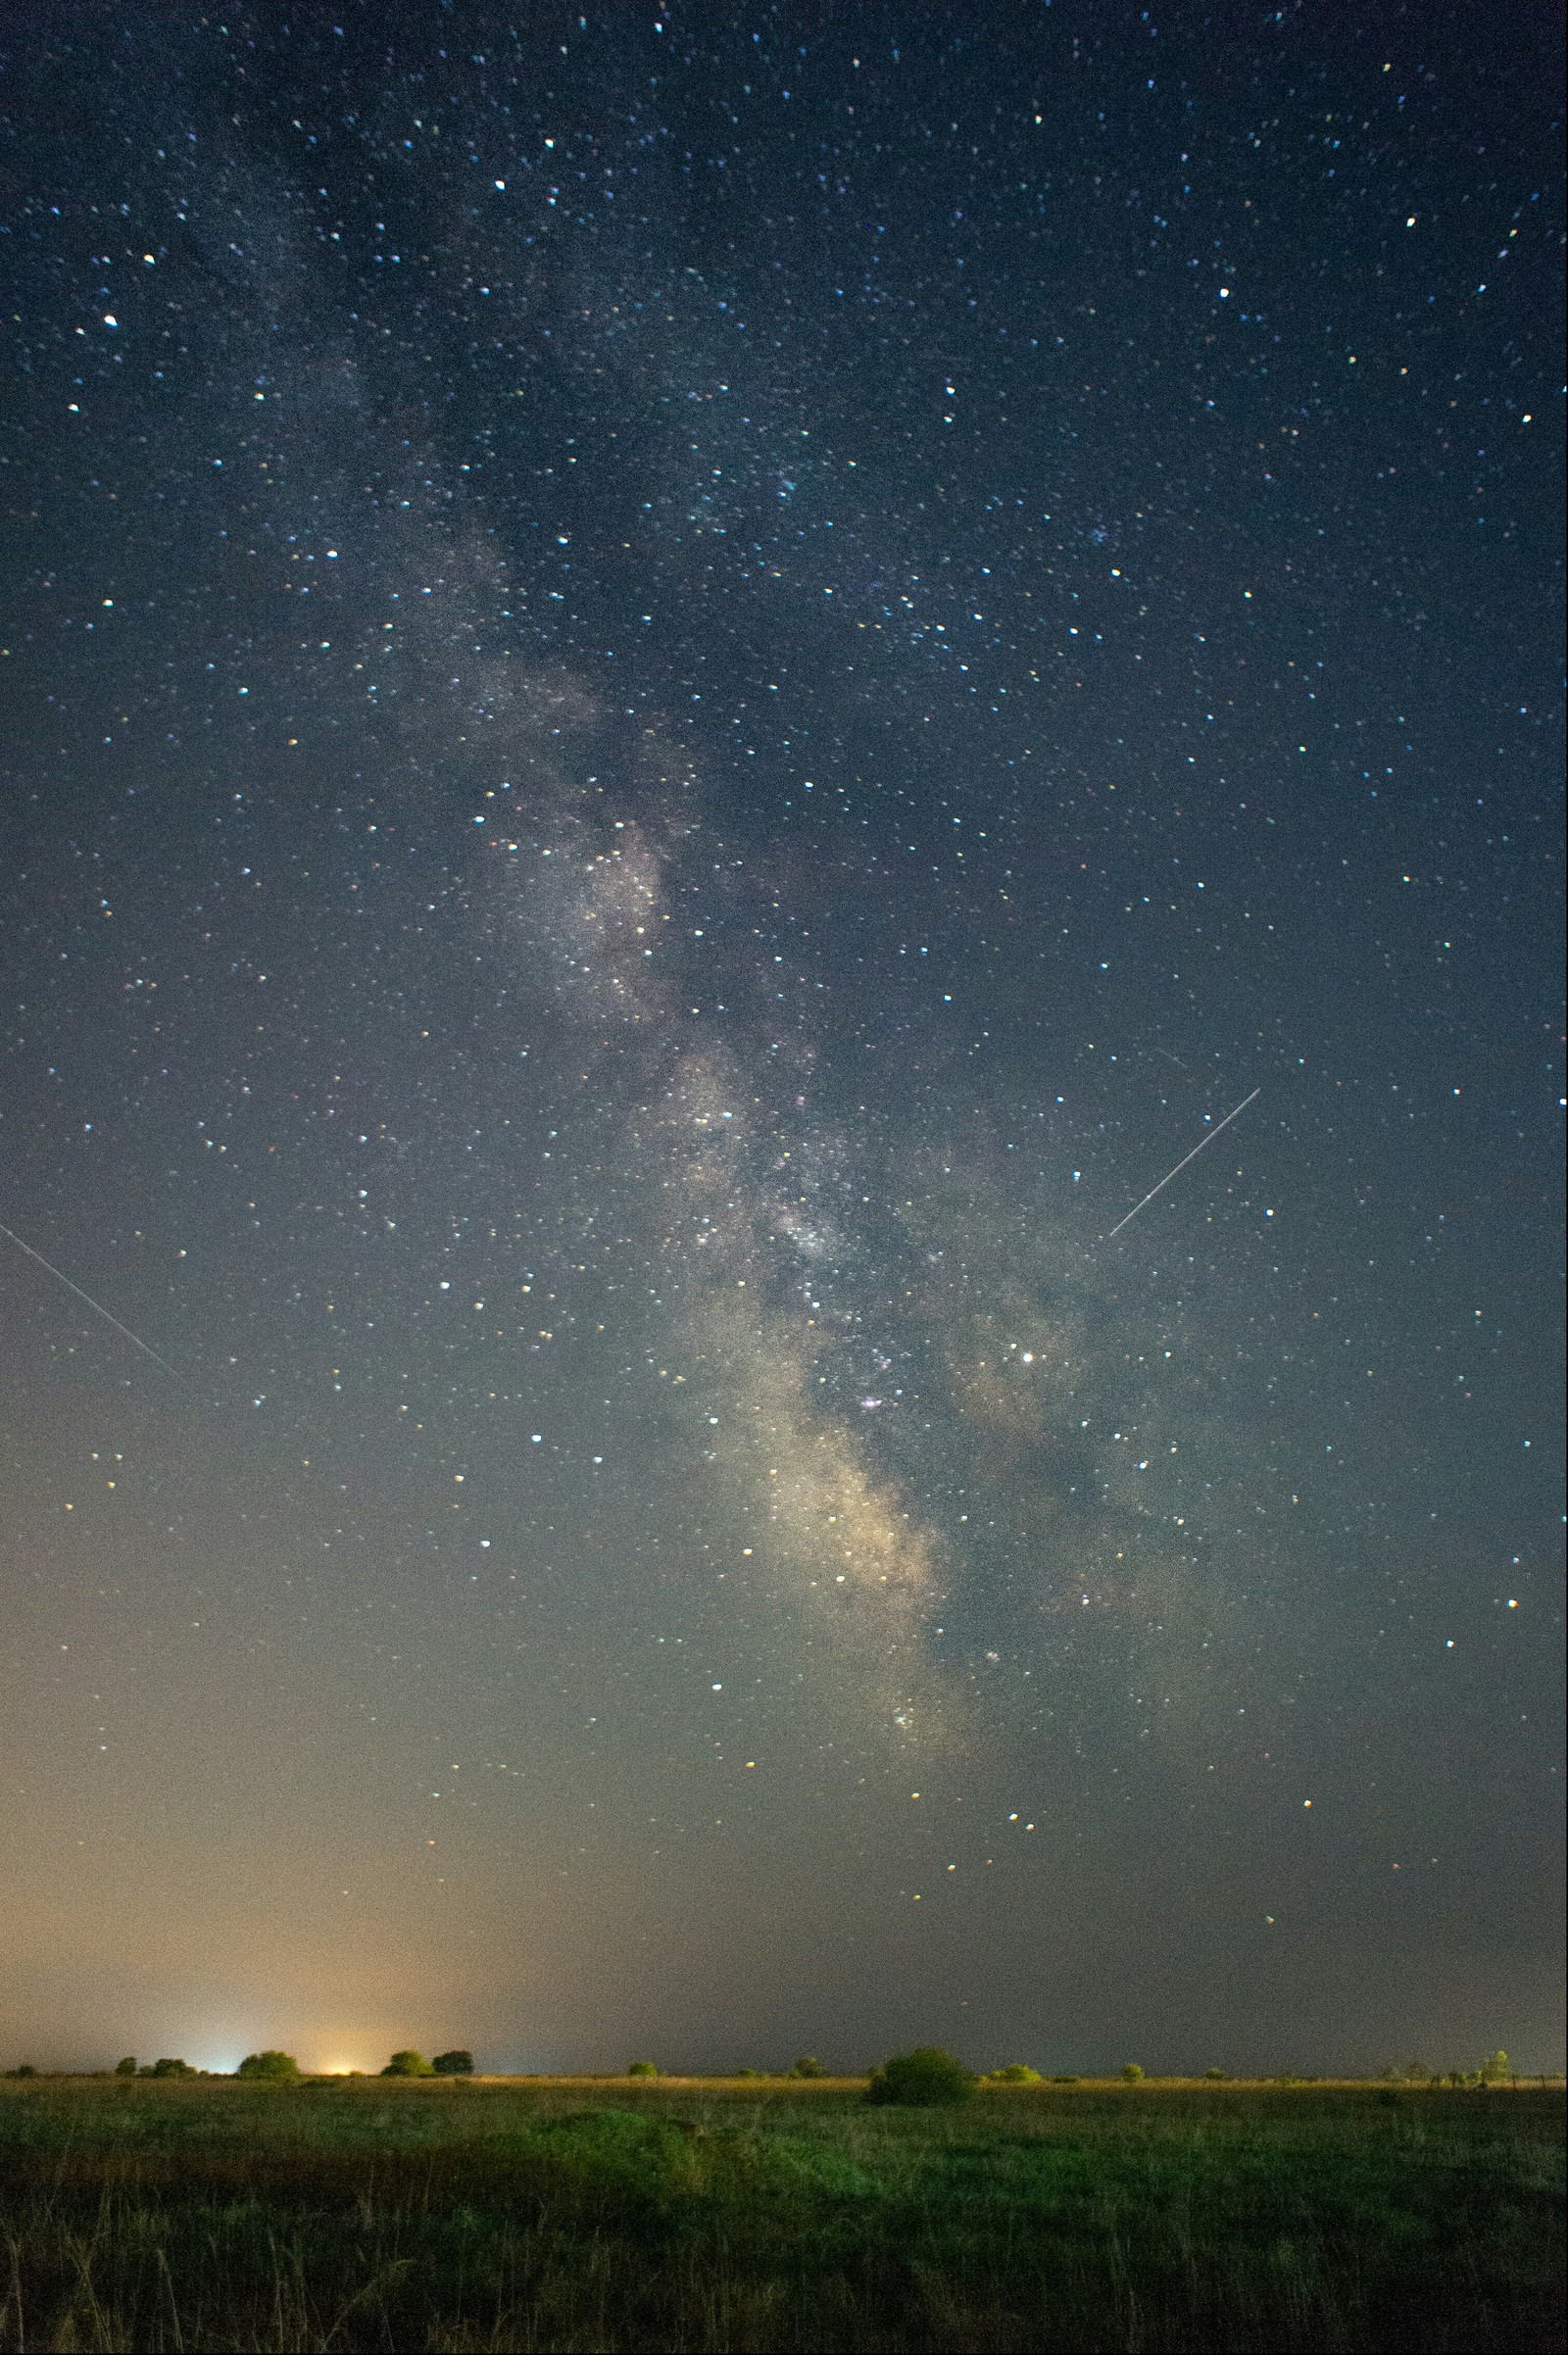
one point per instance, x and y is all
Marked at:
(685, 694)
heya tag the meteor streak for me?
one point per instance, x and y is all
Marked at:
(96, 1305)
(1181, 1164)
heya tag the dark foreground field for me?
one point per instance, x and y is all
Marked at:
(554, 2214)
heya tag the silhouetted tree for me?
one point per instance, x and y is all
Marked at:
(1132, 2075)
(408, 2064)
(455, 2063)
(643, 2069)
(126, 2067)
(926, 2079)
(807, 2066)
(278, 2068)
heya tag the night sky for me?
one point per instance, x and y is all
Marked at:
(684, 693)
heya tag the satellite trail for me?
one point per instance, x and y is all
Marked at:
(96, 1305)
(1181, 1164)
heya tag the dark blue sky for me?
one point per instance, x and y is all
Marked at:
(684, 693)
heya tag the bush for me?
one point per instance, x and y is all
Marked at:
(1131, 2074)
(126, 2067)
(278, 2068)
(927, 2079)
(643, 2069)
(1495, 2067)
(408, 2064)
(807, 2066)
(1216, 2077)
(455, 2063)
(1016, 2072)
(168, 2068)
(1065, 2080)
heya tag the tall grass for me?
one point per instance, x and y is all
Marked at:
(555, 2215)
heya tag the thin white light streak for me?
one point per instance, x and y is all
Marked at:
(1181, 1164)
(97, 1306)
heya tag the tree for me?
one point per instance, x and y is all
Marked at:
(275, 2068)
(1132, 2075)
(1016, 2072)
(926, 2079)
(643, 2069)
(408, 2064)
(807, 2066)
(168, 2068)
(455, 2063)
(1495, 2067)
(126, 2067)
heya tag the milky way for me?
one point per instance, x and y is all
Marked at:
(682, 697)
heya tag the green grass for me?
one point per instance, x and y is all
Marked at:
(590, 2214)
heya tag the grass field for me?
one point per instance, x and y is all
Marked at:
(589, 2214)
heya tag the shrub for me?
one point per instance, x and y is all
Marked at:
(1216, 2077)
(408, 2064)
(455, 2063)
(927, 2078)
(807, 2066)
(168, 2068)
(126, 2067)
(1495, 2067)
(278, 2068)
(1016, 2072)
(1065, 2080)
(643, 2069)
(1131, 2074)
